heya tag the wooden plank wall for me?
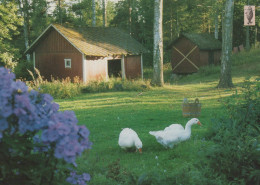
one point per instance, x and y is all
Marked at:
(50, 54)
(133, 66)
(96, 68)
(185, 46)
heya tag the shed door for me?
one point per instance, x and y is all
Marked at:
(114, 68)
(211, 57)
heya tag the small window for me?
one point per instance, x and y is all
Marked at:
(67, 63)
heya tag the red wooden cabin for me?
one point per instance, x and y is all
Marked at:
(90, 53)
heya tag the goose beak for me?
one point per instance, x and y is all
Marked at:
(199, 123)
(140, 150)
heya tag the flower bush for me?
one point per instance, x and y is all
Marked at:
(39, 144)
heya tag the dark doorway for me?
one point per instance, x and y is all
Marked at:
(114, 68)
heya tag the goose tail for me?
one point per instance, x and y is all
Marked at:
(153, 133)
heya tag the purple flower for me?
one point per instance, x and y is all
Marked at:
(62, 129)
(19, 86)
(3, 124)
(78, 179)
(86, 176)
(50, 135)
(6, 110)
(83, 131)
(36, 116)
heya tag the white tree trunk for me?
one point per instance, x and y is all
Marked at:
(227, 35)
(23, 5)
(216, 24)
(104, 13)
(158, 44)
(93, 13)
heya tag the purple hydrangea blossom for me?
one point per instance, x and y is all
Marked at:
(78, 179)
(31, 111)
(63, 130)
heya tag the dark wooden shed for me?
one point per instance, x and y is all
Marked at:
(90, 53)
(192, 50)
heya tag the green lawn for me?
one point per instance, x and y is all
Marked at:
(105, 114)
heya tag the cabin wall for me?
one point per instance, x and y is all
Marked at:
(184, 46)
(133, 67)
(50, 54)
(96, 68)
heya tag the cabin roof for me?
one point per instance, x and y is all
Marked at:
(96, 41)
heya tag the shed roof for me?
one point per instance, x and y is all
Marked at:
(96, 41)
(204, 41)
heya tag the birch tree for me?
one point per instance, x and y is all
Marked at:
(93, 13)
(24, 7)
(158, 43)
(227, 38)
(104, 13)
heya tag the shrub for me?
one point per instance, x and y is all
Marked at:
(21, 70)
(38, 143)
(236, 153)
(61, 88)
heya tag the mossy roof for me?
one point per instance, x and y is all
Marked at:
(204, 41)
(98, 41)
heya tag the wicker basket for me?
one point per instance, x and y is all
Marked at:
(191, 109)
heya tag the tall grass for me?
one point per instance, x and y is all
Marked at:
(116, 84)
(61, 89)
(67, 88)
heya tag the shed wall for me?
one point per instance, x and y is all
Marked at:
(217, 57)
(133, 66)
(184, 46)
(204, 58)
(50, 54)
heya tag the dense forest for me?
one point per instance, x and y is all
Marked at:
(22, 21)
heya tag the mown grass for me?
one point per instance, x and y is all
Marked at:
(106, 113)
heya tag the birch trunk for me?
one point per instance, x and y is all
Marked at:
(104, 13)
(158, 44)
(93, 13)
(227, 34)
(130, 16)
(216, 24)
(24, 6)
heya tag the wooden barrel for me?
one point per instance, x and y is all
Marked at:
(191, 109)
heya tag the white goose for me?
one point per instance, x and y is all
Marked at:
(174, 133)
(128, 138)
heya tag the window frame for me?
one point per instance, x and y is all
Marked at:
(66, 64)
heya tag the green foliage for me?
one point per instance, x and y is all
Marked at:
(21, 70)
(245, 58)
(116, 84)
(8, 25)
(236, 153)
(22, 166)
